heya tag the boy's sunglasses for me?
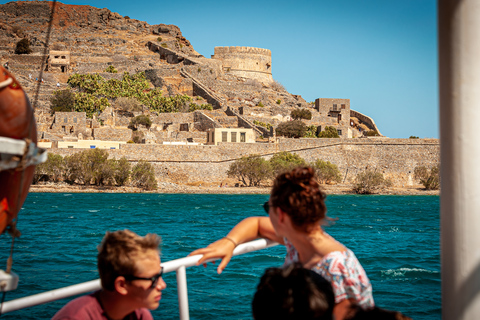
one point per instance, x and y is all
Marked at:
(154, 279)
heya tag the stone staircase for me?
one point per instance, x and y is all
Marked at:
(228, 113)
(223, 119)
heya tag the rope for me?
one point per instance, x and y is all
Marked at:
(12, 228)
(6, 83)
(50, 23)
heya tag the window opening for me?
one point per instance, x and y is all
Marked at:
(242, 137)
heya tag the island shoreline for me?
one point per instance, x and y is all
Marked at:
(188, 189)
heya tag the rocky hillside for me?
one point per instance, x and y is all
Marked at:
(98, 38)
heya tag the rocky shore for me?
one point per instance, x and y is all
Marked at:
(165, 187)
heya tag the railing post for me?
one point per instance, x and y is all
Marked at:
(182, 293)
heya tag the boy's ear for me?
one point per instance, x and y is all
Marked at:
(120, 285)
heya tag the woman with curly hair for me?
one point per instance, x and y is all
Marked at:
(296, 212)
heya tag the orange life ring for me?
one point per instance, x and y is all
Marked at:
(17, 121)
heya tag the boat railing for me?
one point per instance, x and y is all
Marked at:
(178, 265)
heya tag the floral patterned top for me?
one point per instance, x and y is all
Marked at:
(345, 273)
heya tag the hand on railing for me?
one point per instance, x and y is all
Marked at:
(220, 249)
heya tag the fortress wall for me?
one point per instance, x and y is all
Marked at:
(396, 158)
(180, 117)
(171, 56)
(366, 119)
(248, 62)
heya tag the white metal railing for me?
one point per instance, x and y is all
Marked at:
(178, 265)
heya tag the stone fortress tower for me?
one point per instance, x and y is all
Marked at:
(247, 62)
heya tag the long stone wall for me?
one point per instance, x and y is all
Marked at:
(112, 134)
(395, 158)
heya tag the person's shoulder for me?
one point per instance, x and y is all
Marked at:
(79, 308)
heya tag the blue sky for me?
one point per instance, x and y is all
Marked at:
(380, 54)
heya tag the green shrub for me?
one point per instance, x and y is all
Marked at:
(369, 182)
(130, 105)
(62, 101)
(131, 86)
(143, 120)
(90, 104)
(371, 133)
(311, 132)
(329, 132)
(199, 70)
(413, 137)
(301, 114)
(262, 124)
(291, 129)
(279, 101)
(285, 161)
(327, 172)
(51, 170)
(23, 47)
(143, 176)
(250, 170)
(203, 106)
(88, 167)
(159, 39)
(110, 69)
(164, 45)
(121, 171)
(429, 178)
(260, 104)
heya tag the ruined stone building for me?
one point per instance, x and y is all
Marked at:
(58, 61)
(336, 113)
(69, 123)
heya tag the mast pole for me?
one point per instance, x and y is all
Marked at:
(459, 74)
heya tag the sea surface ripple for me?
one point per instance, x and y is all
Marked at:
(396, 238)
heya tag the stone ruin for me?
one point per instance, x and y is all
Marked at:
(58, 61)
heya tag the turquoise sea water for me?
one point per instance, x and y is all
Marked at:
(396, 238)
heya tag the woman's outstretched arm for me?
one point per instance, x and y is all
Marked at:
(246, 230)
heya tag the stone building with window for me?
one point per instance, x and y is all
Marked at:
(334, 113)
(234, 135)
(69, 123)
(58, 61)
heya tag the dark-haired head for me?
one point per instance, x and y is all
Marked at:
(293, 293)
(298, 194)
